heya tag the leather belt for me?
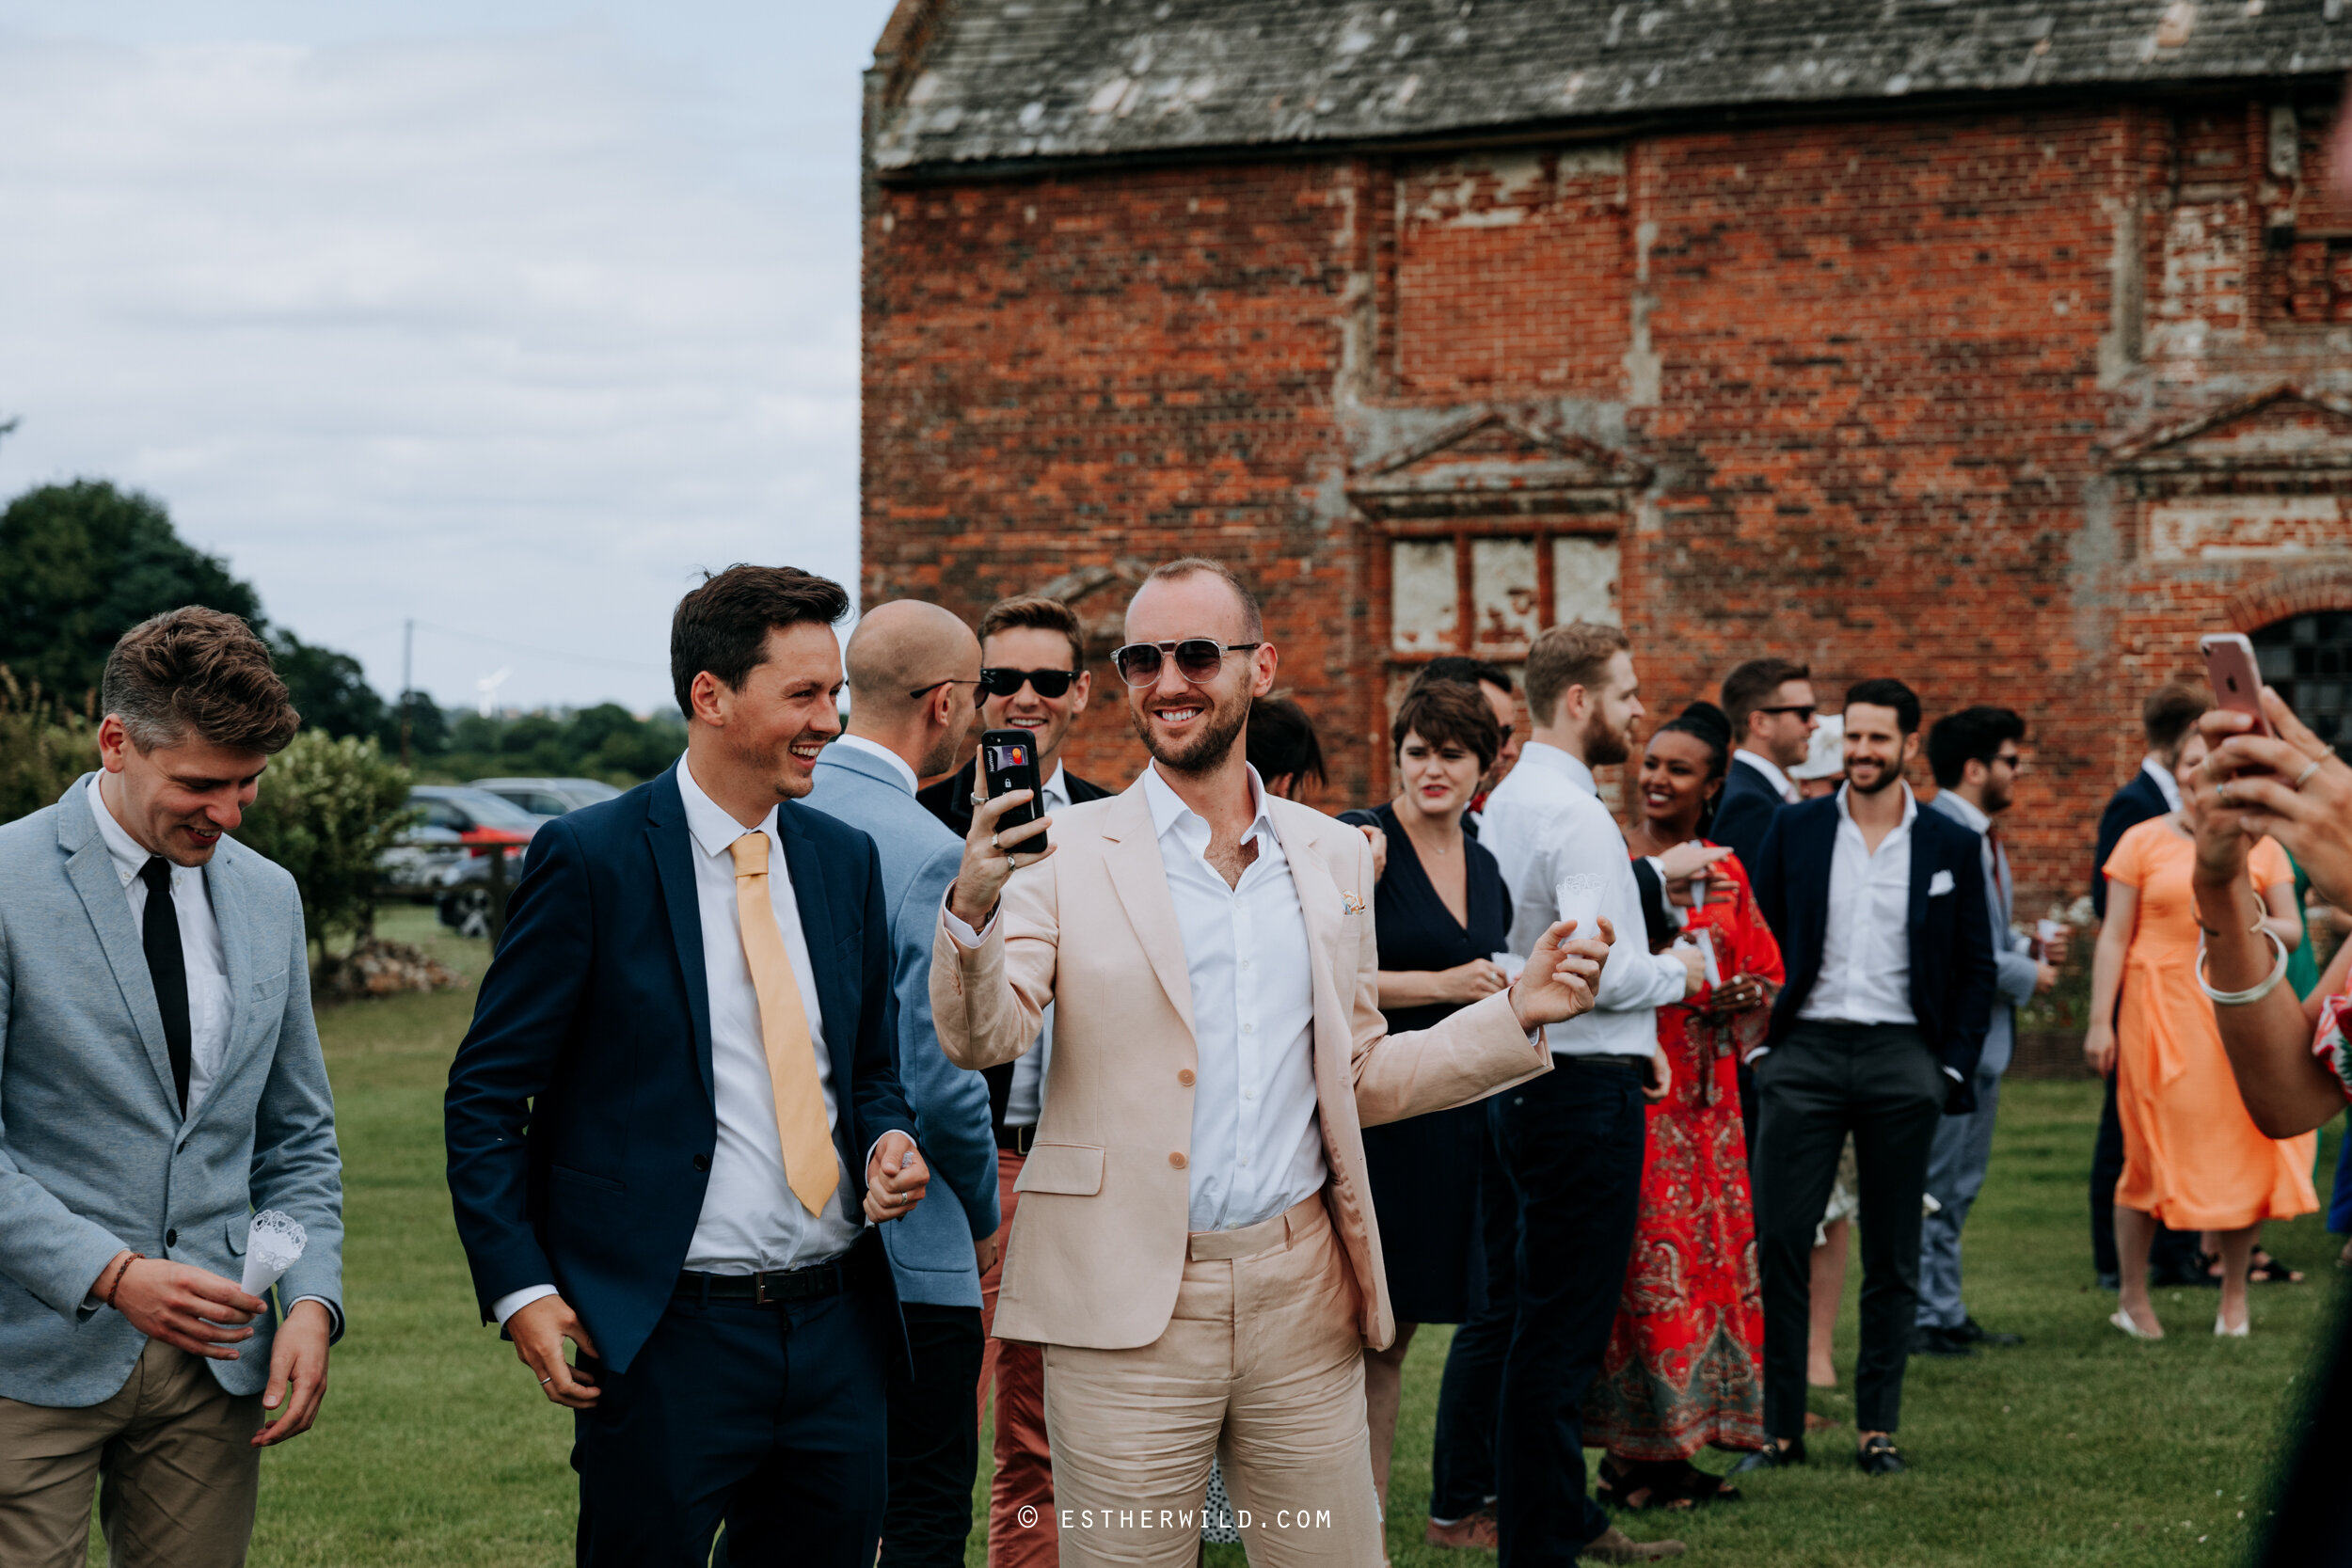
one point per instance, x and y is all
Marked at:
(1594, 1058)
(1019, 1139)
(813, 1283)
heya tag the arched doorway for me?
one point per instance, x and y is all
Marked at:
(2308, 658)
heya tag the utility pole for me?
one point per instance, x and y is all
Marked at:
(407, 682)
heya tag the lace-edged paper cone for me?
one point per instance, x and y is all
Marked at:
(270, 1249)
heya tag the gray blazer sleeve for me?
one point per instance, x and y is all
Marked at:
(2014, 971)
(44, 1247)
(296, 1167)
(951, 1110)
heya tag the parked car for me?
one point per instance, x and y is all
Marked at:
(549, 797)
(447, 854)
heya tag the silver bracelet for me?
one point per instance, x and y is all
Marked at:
(2252, 994)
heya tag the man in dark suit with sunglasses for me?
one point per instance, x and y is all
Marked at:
(1033, 677)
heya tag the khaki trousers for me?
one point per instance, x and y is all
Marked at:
(1261, 1366)
(174, 1450)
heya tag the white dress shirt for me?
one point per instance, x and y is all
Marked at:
(1541, 823)
(1257, 1145)
(1025, 1101)
(200, 950)
(751, 1222)
(210, 1013)
(1865, 946)
(1782, 784)
(874, 749)
(2165, 781)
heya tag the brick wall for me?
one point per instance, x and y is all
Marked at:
(1879, 373)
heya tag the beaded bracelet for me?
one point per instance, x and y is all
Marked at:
(107, 1295)
(2252, 994)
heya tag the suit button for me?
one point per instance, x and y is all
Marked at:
(1183, 1076)
(702, 1161)
(1177, 1160)
(171, 1237)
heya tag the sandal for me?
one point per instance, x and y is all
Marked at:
(1640, 1487)
(2265, 1270)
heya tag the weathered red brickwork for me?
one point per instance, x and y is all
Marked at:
(1924, 396)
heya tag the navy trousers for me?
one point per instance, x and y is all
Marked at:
(1573, 1141)
(1462, 1467)
(934, 1436)
(769, 1421)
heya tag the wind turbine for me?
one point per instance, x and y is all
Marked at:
(488, 686)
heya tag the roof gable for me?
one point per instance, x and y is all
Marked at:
(1494, 463)
(2281, 428)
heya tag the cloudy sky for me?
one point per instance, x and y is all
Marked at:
(506, 318)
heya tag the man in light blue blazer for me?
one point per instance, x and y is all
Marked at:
(1977, 762)
(160, 1081)
(913, 670)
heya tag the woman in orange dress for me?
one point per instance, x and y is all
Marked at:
(2193, 1159)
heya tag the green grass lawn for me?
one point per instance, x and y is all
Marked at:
(434, 1447)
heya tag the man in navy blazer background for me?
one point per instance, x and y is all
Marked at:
(1883, 934)
(678, 1107)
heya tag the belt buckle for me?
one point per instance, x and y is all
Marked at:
(1025, 1139)
(759, 1292)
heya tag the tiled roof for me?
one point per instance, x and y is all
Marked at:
(990, 81)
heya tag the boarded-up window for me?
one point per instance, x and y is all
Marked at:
(1425, 600)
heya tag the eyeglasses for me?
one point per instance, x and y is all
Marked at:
(952, 680)
(1198, 659)
(1795, 710)
(1008, 683)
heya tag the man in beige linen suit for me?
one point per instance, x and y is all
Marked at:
(1195, 1246)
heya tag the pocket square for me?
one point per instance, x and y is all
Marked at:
(1939, 884)
(1353, 904)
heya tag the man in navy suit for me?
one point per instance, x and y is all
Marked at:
(1881, 915)
(677, 1108)
(2167, 716)
(1771, 705)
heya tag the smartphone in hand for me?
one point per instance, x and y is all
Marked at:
(1008, 762)
(2237, 682)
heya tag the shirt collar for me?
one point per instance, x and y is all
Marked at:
(1056, 787)
(710, 824)
(876, 749)
(1553, 760)
(1911, 803)
(1169, 811)
(2165, 781)
(1773, 775)
(1969, 814)
(129, 856)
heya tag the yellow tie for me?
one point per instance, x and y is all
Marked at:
(809, 1162)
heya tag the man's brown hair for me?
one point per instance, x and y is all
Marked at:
(2169, 714)
(1253, 623)
(1752, 685)
(1041, 611)
(1577, 654)
(201, 671)
(1444, 712)
(723, 625)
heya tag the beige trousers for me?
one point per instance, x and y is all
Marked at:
(1261, 1366)
(174, 1450)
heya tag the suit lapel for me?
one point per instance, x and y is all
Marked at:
(836, 1001)
(91, 870)
(1131, 855)
(224, 885)
(1319, 904)
(1922, 869)
(672, 852)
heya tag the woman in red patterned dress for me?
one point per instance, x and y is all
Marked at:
(1684, 1366)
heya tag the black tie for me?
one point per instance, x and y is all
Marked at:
(168, 968)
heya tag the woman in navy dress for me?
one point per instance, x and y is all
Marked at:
(1441, 912)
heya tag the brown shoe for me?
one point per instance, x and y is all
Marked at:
(1475, 1531)
(1615, 1546)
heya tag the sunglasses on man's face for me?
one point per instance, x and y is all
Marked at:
(1008, 683)
(1795, 710)
(1198, 659)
